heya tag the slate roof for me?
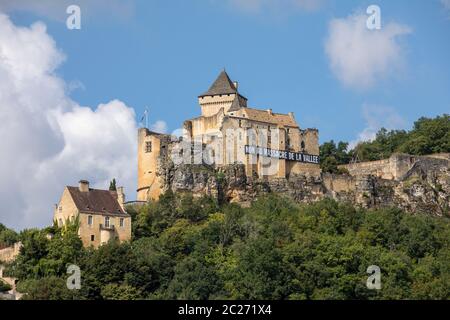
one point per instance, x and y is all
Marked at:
(96, 201)
(222, 85)
(274, 118)
(236, 105)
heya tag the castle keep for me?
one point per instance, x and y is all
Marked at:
(236, 153)
(269, 145)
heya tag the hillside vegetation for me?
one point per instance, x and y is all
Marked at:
(7, 237)
(185, 248)
(428, 136)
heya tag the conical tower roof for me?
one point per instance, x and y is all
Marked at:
(222, 85)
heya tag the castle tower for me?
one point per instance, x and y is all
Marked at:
(221, 94)
(149, 149)
(276, 148)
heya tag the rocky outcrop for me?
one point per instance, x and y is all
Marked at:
(425, 188)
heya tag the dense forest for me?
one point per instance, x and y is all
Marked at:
(186, 248)
(426, 137)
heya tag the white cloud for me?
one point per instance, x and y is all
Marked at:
(360, 57)
(56, 9)
(256, 6)
(159, 126)
(48, 140)
(446, 4)
(377, 117)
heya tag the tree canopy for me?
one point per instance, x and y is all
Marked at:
(189, 248)
(427, 136)
(7, 236)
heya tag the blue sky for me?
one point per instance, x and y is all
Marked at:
(164, 53)
(70, 100)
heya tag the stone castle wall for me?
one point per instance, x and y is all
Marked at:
(395, 167)
(10, 253)
(425, 187)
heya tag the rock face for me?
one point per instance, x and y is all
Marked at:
(425, 188)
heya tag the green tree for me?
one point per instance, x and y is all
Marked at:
(47, 288)
(112, 185)
(194, 280)
(115, 291)
(333, 155)
(7, 236)
(4, 287)
(427, 136)
(187, 248)
(108, 264)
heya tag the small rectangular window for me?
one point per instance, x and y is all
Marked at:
(148, 147)
(90, 220)
(92, 237)
(106, 222)
(121, 223)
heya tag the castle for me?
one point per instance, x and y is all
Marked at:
(270, 145)
(236, 153)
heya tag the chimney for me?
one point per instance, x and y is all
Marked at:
(83, 186)
(291, 114)
(236, 84)
(121, 197)
(269, 111)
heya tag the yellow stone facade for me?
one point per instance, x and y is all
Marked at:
(227, 125)
(97, 224)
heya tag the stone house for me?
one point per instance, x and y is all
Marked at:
(102, 214)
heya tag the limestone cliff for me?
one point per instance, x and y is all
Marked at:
(423, 187)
